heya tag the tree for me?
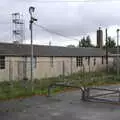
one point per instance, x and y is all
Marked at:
(85, 42)
(82, 42)
(88, 41)
(110, 43)
(71, 46)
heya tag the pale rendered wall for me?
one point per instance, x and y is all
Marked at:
(15, 67)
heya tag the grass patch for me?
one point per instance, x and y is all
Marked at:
(18, 89)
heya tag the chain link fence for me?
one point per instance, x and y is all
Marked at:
(15, 75)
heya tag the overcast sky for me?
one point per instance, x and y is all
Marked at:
(71, 19)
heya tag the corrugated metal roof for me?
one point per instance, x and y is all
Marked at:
(10, 49)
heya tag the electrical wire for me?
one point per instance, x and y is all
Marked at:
(56, 33)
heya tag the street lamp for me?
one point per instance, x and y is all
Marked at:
(118, 52)
(32, 19)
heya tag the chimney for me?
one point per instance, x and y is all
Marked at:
(99, 38)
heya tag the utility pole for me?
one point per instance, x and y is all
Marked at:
(32, 19)
(118, 52)
(106, 49)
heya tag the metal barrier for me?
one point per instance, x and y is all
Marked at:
(88, 96)
(104, 95)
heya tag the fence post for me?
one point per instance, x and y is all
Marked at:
(63, 66)
(85, 94)
(10, 70)
(71, 65)
(18, 69)
(9, 62)
(83, 68)
(89, 68)
(119, 96)
(10, 73)
(25, 68)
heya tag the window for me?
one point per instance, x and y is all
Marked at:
(79, 61)
(88, 60)
(94, 62)
(34, 62)
(51, 61)
(102, 60)
(2, 62)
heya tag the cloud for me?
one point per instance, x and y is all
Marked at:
(67, 18)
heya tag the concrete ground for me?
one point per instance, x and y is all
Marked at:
(65, 106)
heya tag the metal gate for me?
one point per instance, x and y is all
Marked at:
(103, 94)
(94, 94)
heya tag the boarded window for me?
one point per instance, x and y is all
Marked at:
(2, 62)
(79, 61)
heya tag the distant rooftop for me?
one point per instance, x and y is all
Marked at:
(113, 50)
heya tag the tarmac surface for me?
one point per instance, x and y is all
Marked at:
(64, 106)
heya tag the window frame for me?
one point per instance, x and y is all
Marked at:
(79, 61)
(2, 62)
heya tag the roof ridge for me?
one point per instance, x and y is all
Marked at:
(6, 43)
